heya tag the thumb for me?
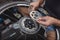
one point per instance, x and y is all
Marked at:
(32, 8)
(41, 19)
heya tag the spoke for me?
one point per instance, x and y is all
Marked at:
(10, 17)
(19, 37)
(25, 37)
(41, 36)
(36, 37)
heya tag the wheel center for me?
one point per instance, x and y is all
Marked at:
(29, 24)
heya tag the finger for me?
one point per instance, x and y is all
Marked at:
(42, 22)
(45, 17)
(41, 19)
(31, 7)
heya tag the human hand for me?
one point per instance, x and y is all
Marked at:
(34, 5)
(47, 20)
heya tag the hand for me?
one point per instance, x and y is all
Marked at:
(35, 5)
(47, 20)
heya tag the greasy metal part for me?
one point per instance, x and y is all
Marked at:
(28, 26)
